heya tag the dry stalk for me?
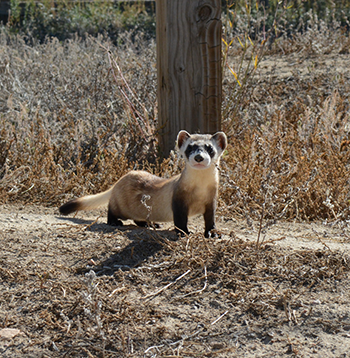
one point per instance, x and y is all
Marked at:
(152, 295)
(202, 289)
(155, 236)
(146, 129)
(88, 227)
(219, 318)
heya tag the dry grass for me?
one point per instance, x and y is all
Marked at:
(65, 124)
(158, 298)
(75, 116)
(289, 135)
(295, 164)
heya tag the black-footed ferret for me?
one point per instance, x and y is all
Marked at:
(144, 197)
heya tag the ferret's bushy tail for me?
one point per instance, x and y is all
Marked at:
(86, 202)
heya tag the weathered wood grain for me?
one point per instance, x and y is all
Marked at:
(189, 67)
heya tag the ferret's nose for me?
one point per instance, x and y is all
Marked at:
(198, 158)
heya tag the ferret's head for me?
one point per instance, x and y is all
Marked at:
(201, 150)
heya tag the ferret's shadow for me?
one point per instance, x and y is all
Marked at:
(144, 243)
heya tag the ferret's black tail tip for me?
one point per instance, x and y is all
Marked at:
(70, 207)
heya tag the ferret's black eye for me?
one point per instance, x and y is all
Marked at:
(190, 149)
(210, 150)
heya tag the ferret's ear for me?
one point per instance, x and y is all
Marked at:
(221, 140)
(181, 138)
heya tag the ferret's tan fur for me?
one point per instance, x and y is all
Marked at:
(144, 197)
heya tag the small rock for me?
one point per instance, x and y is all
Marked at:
(9, 333)
(218, 345)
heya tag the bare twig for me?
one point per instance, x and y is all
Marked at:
(219, 318)
(202, 289)
(167, 286)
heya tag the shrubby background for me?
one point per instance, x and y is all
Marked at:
(78, 103)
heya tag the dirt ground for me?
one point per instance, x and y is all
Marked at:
(73, 286)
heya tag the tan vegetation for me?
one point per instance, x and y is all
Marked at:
(74, 119)
(76, 115)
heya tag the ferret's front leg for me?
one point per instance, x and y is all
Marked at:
(209, 219)
(180, 213)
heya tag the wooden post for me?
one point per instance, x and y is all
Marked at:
(189, 68)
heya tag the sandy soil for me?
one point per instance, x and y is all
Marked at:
(145, 300)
